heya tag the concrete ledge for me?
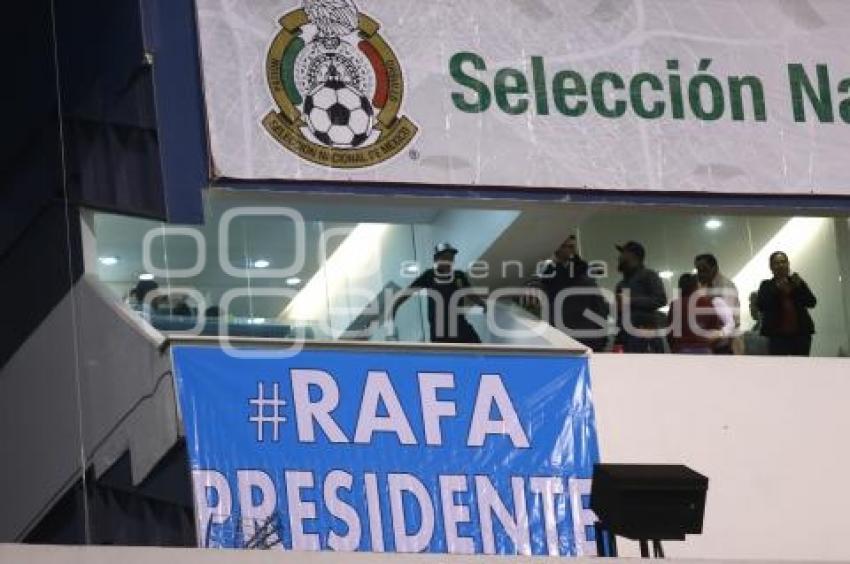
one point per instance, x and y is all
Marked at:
(34, 554)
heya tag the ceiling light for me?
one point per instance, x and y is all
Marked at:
(294, 281)
(257, 321)
(411, 269)
(713, 224)
(108, 261)
(261, 263)
(145, 276)
(666, 274)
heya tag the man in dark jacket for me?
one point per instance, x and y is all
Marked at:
(573, 296)
(784, 302)
(640, 294)
(447, 290)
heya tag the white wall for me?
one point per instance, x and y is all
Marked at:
(772, 435)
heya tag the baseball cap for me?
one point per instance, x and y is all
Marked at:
(444, 248)
(632, 247)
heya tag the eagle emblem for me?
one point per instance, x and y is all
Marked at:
(338, 87)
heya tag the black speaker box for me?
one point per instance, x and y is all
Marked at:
(649, 501)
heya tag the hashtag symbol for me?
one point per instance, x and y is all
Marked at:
(261, 417)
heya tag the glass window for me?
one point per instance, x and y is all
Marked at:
(275, 265)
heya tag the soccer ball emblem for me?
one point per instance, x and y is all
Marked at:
(338, 115)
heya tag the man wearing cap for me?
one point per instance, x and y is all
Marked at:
(640, 294)
(442, 283)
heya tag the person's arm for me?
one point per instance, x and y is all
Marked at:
(727, 317)
(766, 297)
(620, 336)
(539, 282)
(420, 282)
(733, 300)
(465, 283)
(603, 308)
(802, 294)
(544, 276)
(672, 315)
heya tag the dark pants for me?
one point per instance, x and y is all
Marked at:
(596, 345)
(633, 344)
(795, 345)
(465, 334)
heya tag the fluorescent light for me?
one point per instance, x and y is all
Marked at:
(262, 263)
(713, 224)
(666, 274)
(411, 269)
(146, 276)
(359, 255)
(257, 321)
(108, 261)
(294, 281)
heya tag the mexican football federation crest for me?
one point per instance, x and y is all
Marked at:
(338, 87)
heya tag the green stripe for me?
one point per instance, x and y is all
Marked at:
(287, 70)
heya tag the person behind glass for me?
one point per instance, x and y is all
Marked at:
(140, 291)
(783, 302)
(139, 300)
(639, 294)
(566, 275)
(694, 323)
(754, 343)
(718, 287)
(444, 281)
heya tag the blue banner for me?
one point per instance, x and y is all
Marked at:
(390, 451)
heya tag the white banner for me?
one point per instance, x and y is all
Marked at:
(730, 96)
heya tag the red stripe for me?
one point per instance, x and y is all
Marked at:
(382, 78)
